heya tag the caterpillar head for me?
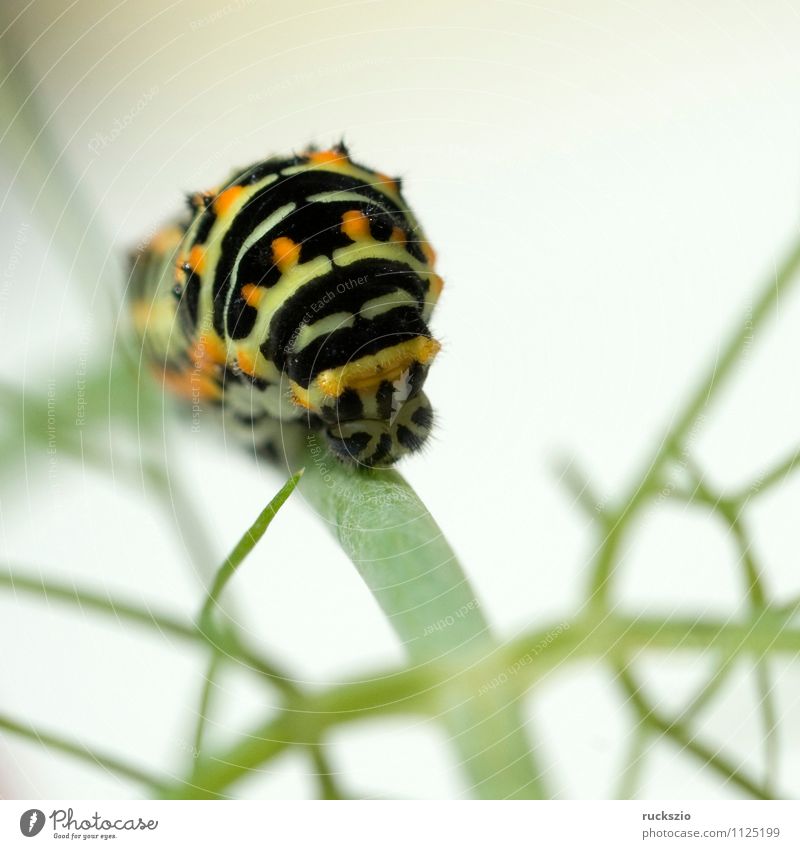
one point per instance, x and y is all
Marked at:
(373, 409)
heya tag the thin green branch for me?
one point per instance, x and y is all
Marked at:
(83, 753)
(705, 693)
(235, 648)
(245, 545)
(752, 571)
(578, 485)
(630, 777)
(682, 737)
(225, 572)
(303, 722)
(778, 285)
(204, 705)
(424, 688)
(769, 720)
(770, 478)
(229, 644)
(765, 633)
(730, 511)
(327, 779)
(53, 590)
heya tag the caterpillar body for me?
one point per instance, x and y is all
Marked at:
(298, 294)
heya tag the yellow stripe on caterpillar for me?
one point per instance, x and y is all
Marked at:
(387, 364)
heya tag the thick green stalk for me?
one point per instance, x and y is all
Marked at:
(408, 565)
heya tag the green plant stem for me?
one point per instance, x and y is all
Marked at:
(83, 753)
(578, 485)
(221, 578)
(231, 646)
(671, 446)
(679, 734)
(245, 545)
(730, 513)
(593, 634)
(421, 688)
(707, 691)
(84, 599)
(416, 579)
(303, 722)
(634, 763)
(329, 788)
(769, 720)
(425, 687)
(204, 706)
(770, 478)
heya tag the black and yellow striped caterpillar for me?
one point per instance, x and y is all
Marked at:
(298, 293)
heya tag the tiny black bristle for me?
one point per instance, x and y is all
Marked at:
(423, 417)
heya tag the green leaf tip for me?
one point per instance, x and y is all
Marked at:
(246, 544)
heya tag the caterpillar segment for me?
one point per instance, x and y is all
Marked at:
(298, 294)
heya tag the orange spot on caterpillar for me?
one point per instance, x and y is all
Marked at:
(226, 199)
(355, 225)
(285, 253)
(430, 253)
(436, 285)
(246, 363)
(165, 240)
(197, 259)
(387, 182)
(189, 384)
(252, 294)
(328, 157)
(141, 309)
(398, 235)
(208, 348)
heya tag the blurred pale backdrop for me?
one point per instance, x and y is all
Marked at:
(605, 184)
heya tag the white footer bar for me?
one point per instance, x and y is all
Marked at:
(400, 825)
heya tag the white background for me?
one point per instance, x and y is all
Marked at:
(605, 183)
